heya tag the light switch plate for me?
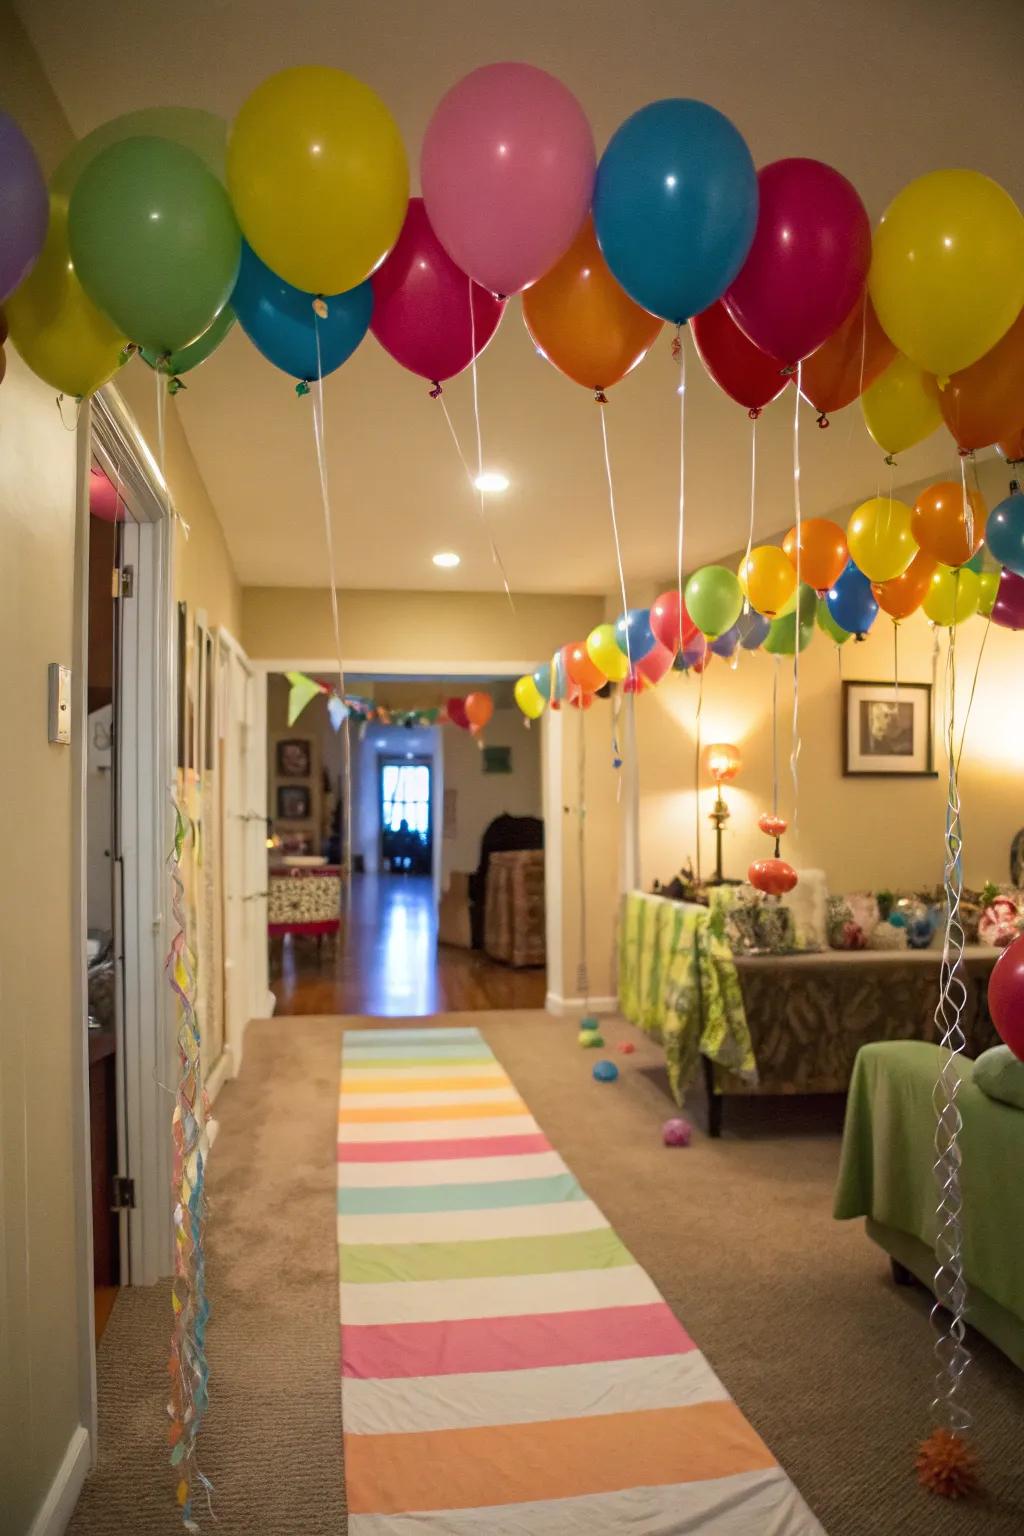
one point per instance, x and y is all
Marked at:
(60, 703)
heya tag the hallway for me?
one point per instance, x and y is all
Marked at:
(387, 962)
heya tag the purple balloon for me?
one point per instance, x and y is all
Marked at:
(752, 628)
(726, 643)
(1008, 608)
(24, 206)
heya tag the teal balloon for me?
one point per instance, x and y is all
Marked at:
(977, 561)
(280, 321)
(828, 625)
(1004, 533)
(714, 600)
(197, 351)
(154, 241)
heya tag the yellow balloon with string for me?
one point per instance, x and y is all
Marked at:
(529, 697)
(901, 407)
(879, 537)
(768, 578)
(604, 652)
(952, 595)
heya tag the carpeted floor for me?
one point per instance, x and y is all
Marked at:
(829, 1360)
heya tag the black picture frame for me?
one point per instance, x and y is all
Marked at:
(864, 759)
(294, 802)
(294, 758)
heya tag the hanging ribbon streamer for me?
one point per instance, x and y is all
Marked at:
(325, 500)
(616, 749)
(582, 968)
(794, 759)
(754, 417)
(968, 504)
(478, 497)
(187, 1367)
(696, 765)
(615, 530)
(970, 697)
(480, 451)
(777, 660)
(895, 660)
(679, 353)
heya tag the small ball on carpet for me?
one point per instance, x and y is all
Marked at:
(590, 1021)
(626, 1047)
(947, 1465)
(676, 1132)
(588, 1038)
(605, 1071)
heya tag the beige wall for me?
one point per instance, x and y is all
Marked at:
(294, 623)
(479, 796)
(602, 824)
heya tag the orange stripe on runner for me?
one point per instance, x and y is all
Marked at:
(477, 1111)
(422, 1084)
(555, 1459)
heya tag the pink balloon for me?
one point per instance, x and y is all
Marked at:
(665, 622)
(421, 304)
(809, 260)
(655, 664)
(1008, 608)
(507, 171)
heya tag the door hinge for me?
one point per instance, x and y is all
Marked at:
(122, 1193)
(123, 581)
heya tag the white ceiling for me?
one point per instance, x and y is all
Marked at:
(882, 89)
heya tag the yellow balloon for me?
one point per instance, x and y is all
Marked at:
(529, 697)
(318, 177)
(952, 596)
(879, 538)
(768, 578)
(63, 337)
(605, 653)
(988, 590)
(901, 407)
(947, 269)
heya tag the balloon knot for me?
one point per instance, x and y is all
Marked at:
(436, 391)
(890, 460)
(823, 420)
(127, 351)
(600, 397)
(502, 298)
(788, 370)
(302, 388)
(754, 412)
(966, 453)
(320, 307)
(677, 346)
(174, 384)
(616, 762)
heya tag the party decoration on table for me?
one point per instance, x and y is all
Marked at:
(675, 206)
(479, 708)
(24, 206)
(1006, 996)
(154, 241)
(56, 327)
(948, 522)
(901, 596)
(507, 171)
(187, 358)
(677, 1132)
(318, 177)
(583, 322)
(714, 600)
(670, 622)
(984, 402)
(1008, 606)
(605, 1071)
(952, 595)
(901, 407)
(822, 551)
(746, 374)
(851, 601)
(281, 322)
(528, 697)
(633, 633)
(204, 133)
(1004, 532)
(421, 304)
(880, 539)
(808, 261)
(849, 362)
(828, 626)
(604, 652)
(768, 578)
(947, 269)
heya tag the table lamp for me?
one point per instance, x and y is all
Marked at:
(723, 762)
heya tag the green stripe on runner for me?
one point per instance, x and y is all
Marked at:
(479, 1259)
(384, 1064)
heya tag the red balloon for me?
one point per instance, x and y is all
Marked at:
(653, 666)
(748, 375)
(456, 709)
(985, 402)
(665, 623)
(773, 876)
(421, 304)
(773, 825)
(1006, 996)
(809, 260)
(849, 361)
(1012, 448)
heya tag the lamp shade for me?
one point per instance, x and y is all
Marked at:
(723, 761)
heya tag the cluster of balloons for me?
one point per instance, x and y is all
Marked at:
(471, 713)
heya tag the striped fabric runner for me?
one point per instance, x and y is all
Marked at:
(508, 1369)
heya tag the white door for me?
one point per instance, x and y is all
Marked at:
(245, 852)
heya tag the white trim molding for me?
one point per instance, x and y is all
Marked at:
(562, 1006)
(62, 1496)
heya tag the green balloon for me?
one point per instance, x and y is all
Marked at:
(154, 241)
(988, 587)
(714, 600)
(197, 351)
(828, 625)
(205, 134)
(781, 637)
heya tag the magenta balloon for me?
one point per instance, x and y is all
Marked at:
(24, 206)
(1008, 608)
(809, 260)
(421, 304)
(507, 171)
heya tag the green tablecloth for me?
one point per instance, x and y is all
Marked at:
(677, 982)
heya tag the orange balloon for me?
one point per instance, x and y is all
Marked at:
(940, 527)
(479, 708)
(579, 668)
(1012, 447)
(985, 402)
(823, 552)
(583, 322)
(903, 595)
(851, 359)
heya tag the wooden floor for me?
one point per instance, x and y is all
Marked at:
(387, 961)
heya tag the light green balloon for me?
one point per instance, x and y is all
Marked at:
(197, 351)
(988, 587)
(714, 600)
(781, 637)
(828, 625)
(154, 241)
(205, 134)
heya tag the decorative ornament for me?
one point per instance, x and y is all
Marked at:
(947, 1465)
(772, 876)
(677, 1132)
(774, 826)
(605, 1071)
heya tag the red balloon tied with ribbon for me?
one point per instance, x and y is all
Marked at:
(984, 403)
(664, 620)
(772, 876)
(1006, 996)
(746, 374)
(456, 712)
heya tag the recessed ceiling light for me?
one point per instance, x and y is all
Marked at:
(492, 481)
(447, 559)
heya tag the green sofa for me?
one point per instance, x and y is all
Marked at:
(886, 1175)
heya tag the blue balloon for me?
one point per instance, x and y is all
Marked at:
(279, 320)
(641, 636)
(542, 678)
(675, 206)
(753, 629)
(561, 681)
(851, 601)
(726, 643)
(977, 561)
(1004, 533)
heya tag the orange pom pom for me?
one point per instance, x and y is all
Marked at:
(947, 1465)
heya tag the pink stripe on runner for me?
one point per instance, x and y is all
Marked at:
(415, 1151)
(512, 1343)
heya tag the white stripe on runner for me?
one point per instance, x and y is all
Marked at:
(451, 1170)
(458, 1226)
(428, 1097)
(436, 1301)
(401, 1070)
(455, 1129)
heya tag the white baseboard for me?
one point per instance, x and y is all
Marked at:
(222, 1069)
(560, 1006)
(59, 1505)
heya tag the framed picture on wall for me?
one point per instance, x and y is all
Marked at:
(295, 758)
(887, 730)
(496, 759)
(293, 802)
